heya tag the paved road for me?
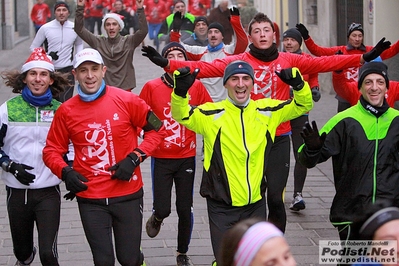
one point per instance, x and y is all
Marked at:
(304, 229)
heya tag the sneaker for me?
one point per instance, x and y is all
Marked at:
(153, 226)
(297, 203)
(31, 258)
(183, 260)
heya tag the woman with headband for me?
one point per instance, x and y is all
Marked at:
(380, 222)
(254, 242)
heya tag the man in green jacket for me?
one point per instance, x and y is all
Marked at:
(238, 133)
(363, 142)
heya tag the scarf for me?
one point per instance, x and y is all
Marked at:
(167, 80)
(265, 55)
(377, 111)
(216, 48)
(41, 100)
(91, 97)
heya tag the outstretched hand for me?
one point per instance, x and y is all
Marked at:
(154, 56)
(377, 50)
(177, 21)
(234, 11)
(303, 30)
(183, 80)
(292, 77)
(311, 136)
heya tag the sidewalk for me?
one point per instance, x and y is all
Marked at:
(304, 229)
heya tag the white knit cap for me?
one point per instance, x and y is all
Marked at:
(38, 58)
(115, 16)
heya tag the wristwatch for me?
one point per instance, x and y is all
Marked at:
(6, 165)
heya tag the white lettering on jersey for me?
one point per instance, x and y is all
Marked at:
(97, 152)
(352, 74)
(265, 81)
(177, 136)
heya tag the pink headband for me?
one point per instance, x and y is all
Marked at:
(252, 240)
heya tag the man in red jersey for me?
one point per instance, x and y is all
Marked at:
(355, 45)
(105, 177)
(174, 160)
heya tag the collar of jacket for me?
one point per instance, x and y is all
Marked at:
(350, 47)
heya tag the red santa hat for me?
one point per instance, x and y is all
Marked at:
(38, 58)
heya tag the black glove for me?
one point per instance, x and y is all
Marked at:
(69, 196)
(234, 11)
(177, 21)
(311, 136)
(316, 95)
(54, 55)
(3, 133)
(183, 80)
(303, 30)
(292, 77)
(73, 180)
(20, 173)
(154, 56)
(377, 50)
(125, 168)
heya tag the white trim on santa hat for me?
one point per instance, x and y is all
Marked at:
(115, 16)
(39, 59)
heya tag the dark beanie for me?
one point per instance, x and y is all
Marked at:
(355, 26)
(373, 67)
(200, 18)
(171, 47)
(216, 25)
(61, 3)
(293, 33)
(237, 67)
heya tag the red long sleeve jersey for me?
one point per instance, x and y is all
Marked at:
(351, 73)
(267, 84)
(350, 92)
(40, 13)
(180, 142)
(103, 133)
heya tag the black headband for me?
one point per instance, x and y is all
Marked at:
(376, 220)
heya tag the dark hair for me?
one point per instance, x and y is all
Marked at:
(15, 80)
(231, 239)
(259, 17)
(365, 213)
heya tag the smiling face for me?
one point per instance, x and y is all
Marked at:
(261, 35)
(38, 80)
(239, 87)
(201, 29)
(112, 27)
(373, 89)
(90, 76)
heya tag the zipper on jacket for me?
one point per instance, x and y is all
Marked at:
(26, 197)
(375, 164)
(247, 160)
